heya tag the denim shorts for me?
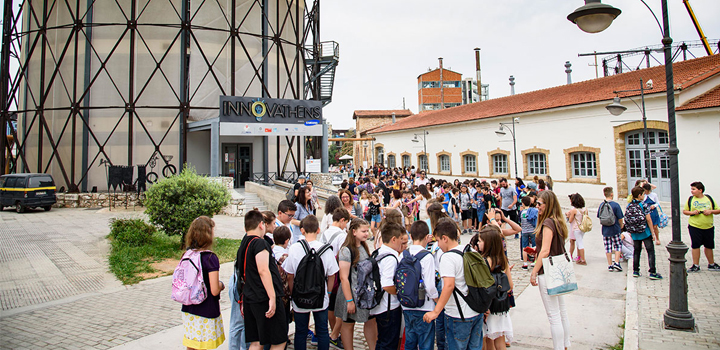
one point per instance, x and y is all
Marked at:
(376, 218)
(527, 238)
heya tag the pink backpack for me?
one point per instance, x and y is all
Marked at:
(188, 287)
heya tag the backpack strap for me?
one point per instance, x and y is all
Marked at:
(332, 238)
(305, 245)
(323, 249)
(712, 202)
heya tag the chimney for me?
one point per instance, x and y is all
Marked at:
(393, 117)
(512, 85)
(442, 91)
(568, 70)
(477, 72)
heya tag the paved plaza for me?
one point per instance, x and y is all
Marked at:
(56, 293)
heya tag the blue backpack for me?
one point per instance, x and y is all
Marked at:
(409, 280)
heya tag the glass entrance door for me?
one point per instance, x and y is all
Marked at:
(237, 162)
(659, 160)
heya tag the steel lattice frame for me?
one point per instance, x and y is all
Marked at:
(58, 55)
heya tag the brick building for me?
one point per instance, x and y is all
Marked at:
(366, 120)
(439, 87)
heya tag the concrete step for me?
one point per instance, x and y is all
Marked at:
(251, 201)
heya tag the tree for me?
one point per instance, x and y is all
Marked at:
(347, 146)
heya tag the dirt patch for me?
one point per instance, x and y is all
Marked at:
(162, 268)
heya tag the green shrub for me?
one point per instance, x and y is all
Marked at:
(173, 203)
(131, 232)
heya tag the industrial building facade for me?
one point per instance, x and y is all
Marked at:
(90, 84)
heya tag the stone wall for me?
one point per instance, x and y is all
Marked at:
(323, 180)
(98, 200)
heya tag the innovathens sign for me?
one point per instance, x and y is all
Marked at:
(257, 116)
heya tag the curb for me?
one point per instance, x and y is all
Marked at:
(632, 332)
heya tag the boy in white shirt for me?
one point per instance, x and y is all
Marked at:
(310, 229)
(281, 236)
(463, 326)
(335, 236)
(388, 314)
(419, 334)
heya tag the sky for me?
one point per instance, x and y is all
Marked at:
(386, 44)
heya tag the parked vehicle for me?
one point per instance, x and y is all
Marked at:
(27, 191)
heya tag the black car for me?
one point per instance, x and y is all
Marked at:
(27, 191)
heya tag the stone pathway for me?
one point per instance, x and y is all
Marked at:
(703, 300)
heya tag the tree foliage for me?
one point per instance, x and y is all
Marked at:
(173, 203)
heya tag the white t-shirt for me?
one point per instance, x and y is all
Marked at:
(296, 253)
(419, 181)
(326, 222)
(387, 269)
(336, 242)
(295, 233)
(278, 252)
(428, 271)
(452, 266)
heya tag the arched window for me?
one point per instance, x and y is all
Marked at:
(391, 160)
(500, 165)
(470, 163)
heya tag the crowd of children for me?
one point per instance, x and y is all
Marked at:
(376, 259)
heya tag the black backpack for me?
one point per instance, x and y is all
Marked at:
(635, 220)
(310, 280)
(712, 202)
(500, 289)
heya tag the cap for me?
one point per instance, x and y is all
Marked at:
(301, 177)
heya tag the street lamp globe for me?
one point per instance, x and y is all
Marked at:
(500, 132)
(615, 108)
(415, 139)
(594, 16)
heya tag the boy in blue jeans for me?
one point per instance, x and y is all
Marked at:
(639, 229)
(528, 221)
(418, 334)
(388, 313)
(463, 326)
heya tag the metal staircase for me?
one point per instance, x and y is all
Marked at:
(321, 64)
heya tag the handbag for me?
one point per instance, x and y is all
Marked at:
(664, 219)
(559, 274)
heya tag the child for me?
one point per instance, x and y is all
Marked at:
(388, 313)
(652, 202)
(701, 208)
(203, 322)
(639, 229)
(364, 200)
(575, 217)
(611, 233)
(455, 205)
(465, 202)
(419, 334)
(335, 236)
(374, 211)
(281, 236)
(353, 251)
(497, 327)
(265, 321)
(528, 222)
(460, 334)
(408, 208)
(310, 230)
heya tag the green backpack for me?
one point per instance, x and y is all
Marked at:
(479, 281)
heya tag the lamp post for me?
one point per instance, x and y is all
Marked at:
(415, 139)
(501, 132)
(616, 109)
(677, 315)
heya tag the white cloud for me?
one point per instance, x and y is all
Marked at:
(386, 44)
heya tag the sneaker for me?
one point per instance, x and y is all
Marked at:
(517, 236)
(310, 335)
(714, 267)
(655, 276)
(636, 274)
(611, 268)
(693, 268)
(577, 258)
(532, 264)
(617, 267)
(337, 343)
(525, 266)
(313, 340)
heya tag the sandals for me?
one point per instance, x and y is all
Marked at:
(582, 262)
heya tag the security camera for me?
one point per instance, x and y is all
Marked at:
(649, 84)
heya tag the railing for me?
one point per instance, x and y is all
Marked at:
(267, 178)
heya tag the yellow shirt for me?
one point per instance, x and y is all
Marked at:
(701, 221)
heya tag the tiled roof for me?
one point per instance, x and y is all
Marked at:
(382, 113)
(686, 73)
(706, 100)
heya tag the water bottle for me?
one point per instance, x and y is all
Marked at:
(421, 291)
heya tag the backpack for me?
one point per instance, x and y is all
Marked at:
(188, 285)
(586, 223)
(606, 214)
(455, 204)
(369, 291)
(409, 280)
(479, 281)
(500, 293)
(290, 194)
(310, 280)
(635, 220)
